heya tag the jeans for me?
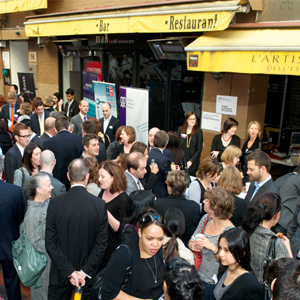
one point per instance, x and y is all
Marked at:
(208, 290)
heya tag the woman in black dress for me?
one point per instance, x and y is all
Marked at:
(6, 138)
(191, 141)
(227, 137)
(144, 260)
(113, 185)
(251, 144)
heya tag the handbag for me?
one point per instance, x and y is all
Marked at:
(198, 255)
(270, 257)
(28, 262)
(98, 278)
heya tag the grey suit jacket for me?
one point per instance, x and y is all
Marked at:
(268, 187)
(131, 184)
(77, 123)
(58, 187)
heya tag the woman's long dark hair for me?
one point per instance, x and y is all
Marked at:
(263, 208)
(175, 228)
(238, 245)
(26, 159)
(174, 146)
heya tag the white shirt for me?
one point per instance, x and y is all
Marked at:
(70, 103)
(82, 116)
(105, 124)
(21, 149)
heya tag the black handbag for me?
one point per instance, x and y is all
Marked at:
(98, 278)
(270, 257)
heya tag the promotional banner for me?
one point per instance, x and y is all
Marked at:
(134, 111)
(88, 92)
(104, 92)
(94, 67)
(26, 84)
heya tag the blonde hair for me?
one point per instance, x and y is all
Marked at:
(258, 126)
(231, 180)
(230, 153)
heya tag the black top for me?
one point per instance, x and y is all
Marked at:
(240, 209)
(117, 208)
(217, 144)
(193, 152)
(141, 282)
(246, 151)
(5, 142)
(118, 151)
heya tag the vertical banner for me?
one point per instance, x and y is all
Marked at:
(134, 111)
(26, 84)
(94, 67)
(88, 92)
(105, 92)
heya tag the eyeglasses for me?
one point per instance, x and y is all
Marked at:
(192, 119)
(25, 136)
(151, 218)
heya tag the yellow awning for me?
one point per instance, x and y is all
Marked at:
(11, 6)
(260, 51)
(193, 17)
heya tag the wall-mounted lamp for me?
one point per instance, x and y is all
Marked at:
(41, 42)
(217, 75)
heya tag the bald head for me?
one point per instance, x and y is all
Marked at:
(151, 136)
(47, 160)
(50, 126)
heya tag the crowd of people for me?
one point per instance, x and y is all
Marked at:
(156, 221)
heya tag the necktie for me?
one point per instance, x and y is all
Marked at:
(12, 119)
(140, 186)
(41, 125)
(84, 118)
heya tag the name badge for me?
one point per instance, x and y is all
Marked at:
(183, 135)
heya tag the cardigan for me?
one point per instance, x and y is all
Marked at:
(244, 287)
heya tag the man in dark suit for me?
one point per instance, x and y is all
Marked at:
(50, 131)
(48, 161)
(11, 109)
(76, 235)
(259, 167)
(14, 155)
(161, 139)
(80, 117)
(39, 117)
(65, 146)
(109, 124)
(71, 108)
(12, 214)
(289, 190)
(177, 182)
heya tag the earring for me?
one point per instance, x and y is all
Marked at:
(140, 236)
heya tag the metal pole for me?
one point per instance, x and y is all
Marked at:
(282, 110)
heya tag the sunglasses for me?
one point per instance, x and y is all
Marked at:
(151, 218)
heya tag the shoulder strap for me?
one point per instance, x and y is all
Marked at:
(270, 255)
(129, 252)
(205, 223)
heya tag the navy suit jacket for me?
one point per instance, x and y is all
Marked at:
(66, 147)
(35, 124)
(12, 210)
(164, 165)
(6, 112)
(112, 127)
(268, 187)
(12, 162)
(42, 139)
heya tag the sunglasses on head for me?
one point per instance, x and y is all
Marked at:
(151, 218)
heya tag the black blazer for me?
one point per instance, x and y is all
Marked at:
(12, 162)
(12, 210)
(76, 234)
(268, 187)
(42, 139)
(35, 124)
(74, 109)
(66, 147)
(189, 208)
(160, 188)
(112, 127)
